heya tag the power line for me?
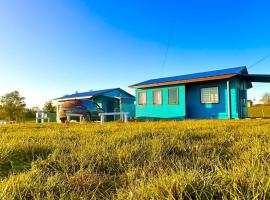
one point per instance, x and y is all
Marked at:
(166, 54)
(259, 61)
(170, 38)
(171, 33)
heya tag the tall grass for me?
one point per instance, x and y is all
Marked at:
(149, 160)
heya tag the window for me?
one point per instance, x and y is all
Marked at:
(173, 96)
(142, 98)
(210, 95)
(157, 97)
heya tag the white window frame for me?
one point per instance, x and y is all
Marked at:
(210, 95)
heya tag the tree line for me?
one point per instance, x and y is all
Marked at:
(266, 98)
(13, 107)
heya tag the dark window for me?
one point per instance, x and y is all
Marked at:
(173, 96)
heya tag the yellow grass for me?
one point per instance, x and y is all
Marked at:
(212, 159)
(259, 111)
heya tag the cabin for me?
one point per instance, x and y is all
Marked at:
(219, 94)
(110, 100)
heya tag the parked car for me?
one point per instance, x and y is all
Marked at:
(88, 108)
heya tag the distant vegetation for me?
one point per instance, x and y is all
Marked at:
(49, 107)
(148, 160)
(12, 106)
(266, 98)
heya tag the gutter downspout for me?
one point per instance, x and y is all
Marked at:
(229, 100)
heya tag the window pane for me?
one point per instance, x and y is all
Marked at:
(210, 95)
(173, 96)
(142, 98)
(157, 97)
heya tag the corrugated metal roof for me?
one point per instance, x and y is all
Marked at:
(86, 94)
(235, 70)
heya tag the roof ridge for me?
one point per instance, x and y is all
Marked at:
(95, 91)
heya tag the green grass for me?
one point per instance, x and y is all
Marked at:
(259, 111)
(212, 159)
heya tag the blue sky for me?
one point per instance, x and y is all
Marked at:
(53, 47)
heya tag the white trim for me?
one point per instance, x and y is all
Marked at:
(229, 100)
(102, 116)
(74, 115)
(212, 98)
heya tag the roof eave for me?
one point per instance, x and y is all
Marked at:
(263, 78)
(126, 92)
(210, 78)
(72, 98)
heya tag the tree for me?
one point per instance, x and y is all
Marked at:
(266, 98)
(1, 112)
(49, 107)
(12, 106)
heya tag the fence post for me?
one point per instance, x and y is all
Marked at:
(101, 119)
(126, 118)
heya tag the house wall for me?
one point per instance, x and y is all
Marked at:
(242, 87)
(108, 104)
(117, 93)
(127, 103)
(103, 102)
(164, 111)
(190, 105)
(195, 109)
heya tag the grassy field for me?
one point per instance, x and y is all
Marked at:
(147, 160)
(259, 111)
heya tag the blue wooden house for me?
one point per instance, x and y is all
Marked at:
(220, 94)
(110, 100)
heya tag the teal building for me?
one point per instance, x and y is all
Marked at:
(220, 94)
(110, 100)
